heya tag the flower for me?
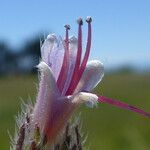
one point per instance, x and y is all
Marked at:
(66, 81)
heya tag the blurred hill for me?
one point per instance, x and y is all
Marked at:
(19, 61)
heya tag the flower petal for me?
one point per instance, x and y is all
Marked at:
(47, 47)
(52, 50)
(91, 77)
(84, 97)
(47, 93)
(63, 110)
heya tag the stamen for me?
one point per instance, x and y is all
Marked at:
(73, 42)
(88, 19)
(64, 69)
(78, 58)
(67, 26)
(67, 37)
(122, 105)
(80, 21)
(86, 56)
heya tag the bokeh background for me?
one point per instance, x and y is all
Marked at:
(121, 35)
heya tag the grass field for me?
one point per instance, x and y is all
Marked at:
(108, 128)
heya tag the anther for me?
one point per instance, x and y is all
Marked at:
(67, 26)
(80, 21)
(89, 19)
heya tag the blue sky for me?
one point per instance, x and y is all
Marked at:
(121, 28)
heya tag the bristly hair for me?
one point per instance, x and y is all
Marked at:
(72, 138)
(29, 137)
(23, 129)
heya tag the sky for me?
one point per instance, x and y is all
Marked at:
(121, 28)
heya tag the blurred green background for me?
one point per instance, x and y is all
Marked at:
(107, 127)
(120, 39)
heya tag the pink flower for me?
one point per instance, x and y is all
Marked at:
(66, 81)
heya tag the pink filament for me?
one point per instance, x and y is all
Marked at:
(122, 105)
(78, 60)
(84, 62)
(64, 69)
